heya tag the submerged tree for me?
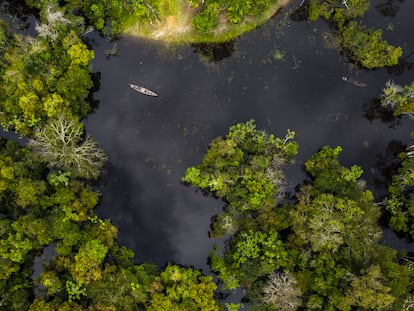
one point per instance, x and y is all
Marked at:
(400, 201)
(361, 44)
(62, 145)
(366, 46)
(398, 98)
(244, 168)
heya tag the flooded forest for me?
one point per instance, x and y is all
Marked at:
(212, 155)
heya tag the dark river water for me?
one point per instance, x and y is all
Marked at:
(151, 141)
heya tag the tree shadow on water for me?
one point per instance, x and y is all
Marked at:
(403, 64)
(214, 52)
(385, 166)
(16, 13)
(299, 13)
(389, 7)
(139, 212)
(374, 111)
(93, 102)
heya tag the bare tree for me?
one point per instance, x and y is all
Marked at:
(409, 303)
(61, 144)
(281, 292)
(54, 19)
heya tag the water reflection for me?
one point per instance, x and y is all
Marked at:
(385, 166)
(143, 229)
(300, 12)
(18, 15)
(405, 64)
(94, 103)
(389, 7)
(374, 111)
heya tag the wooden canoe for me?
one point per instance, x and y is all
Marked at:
(354, 82)
(142, 90)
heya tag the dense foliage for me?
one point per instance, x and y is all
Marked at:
(60, 143)
(49, 209)
(335, 224)
(367, 47)
(244, 167)
(46, 210)
(108, 16)
(38, 209)
(179, 289)
(234, 11)
(323, 249)
(400, 201)
(45, 76)
(318, 251)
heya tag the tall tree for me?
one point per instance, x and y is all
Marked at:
(60, 143)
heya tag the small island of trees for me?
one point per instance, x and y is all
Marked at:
(315, 249)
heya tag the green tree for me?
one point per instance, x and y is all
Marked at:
(400, 202)
(249, 256)
(335, 224)
(340, 11)
(369, 292)
(179, 288)
(244, 168)
(206, 18)
(367, 47)
(399, 99)
(361, 44)
(111, 17)
(123, 288)
(44, 77)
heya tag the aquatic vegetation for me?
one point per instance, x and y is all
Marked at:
(278, 55)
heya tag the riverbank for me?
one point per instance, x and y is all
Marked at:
(175, 25)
